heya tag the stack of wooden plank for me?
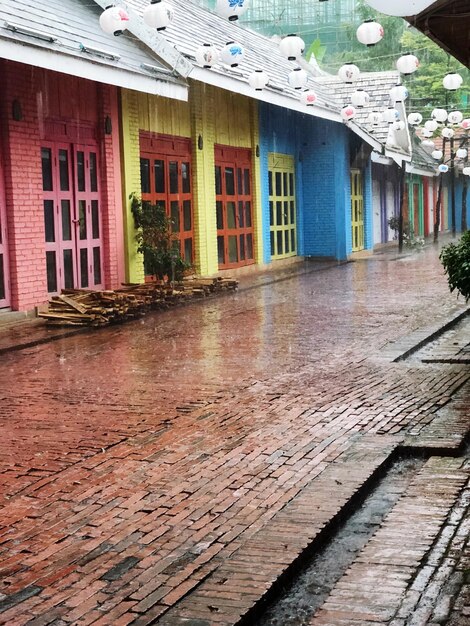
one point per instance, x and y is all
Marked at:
(80, 307)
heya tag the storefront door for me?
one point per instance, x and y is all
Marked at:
(234, 206)
(72, 216)
(4, 272)
(282, 206)
(165, 174)
(357, 211)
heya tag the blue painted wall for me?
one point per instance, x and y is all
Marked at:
(458, 203)
(321, 152)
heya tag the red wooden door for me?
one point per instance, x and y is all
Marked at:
(4, 267)
(234, 206)
(71, 216)
(165, 173)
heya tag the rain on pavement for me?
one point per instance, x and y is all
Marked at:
(136, 460)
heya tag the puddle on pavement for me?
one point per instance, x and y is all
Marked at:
(310, 588)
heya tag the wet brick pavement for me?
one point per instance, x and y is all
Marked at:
(169, 471)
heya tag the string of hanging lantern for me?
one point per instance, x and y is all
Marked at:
(158, 15)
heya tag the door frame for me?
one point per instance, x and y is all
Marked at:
(240, 159)
(74, 196)
(283, 164)
(170, 148)
(4, 249)
(358, 239)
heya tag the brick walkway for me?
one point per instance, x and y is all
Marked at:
(382, 585)
(172, 470)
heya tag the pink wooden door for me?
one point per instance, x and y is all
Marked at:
(71, 217)
(4, 269)
(88, 214)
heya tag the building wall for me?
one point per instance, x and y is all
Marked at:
(53, 103)
(212, 116)
(321, 153)
(23, 188)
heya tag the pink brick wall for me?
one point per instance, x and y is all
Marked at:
(23, 188)
(44, 96)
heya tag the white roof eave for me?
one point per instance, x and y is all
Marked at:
(91, 70)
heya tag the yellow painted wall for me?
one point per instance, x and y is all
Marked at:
(220, 117)
(163, 115)
(130, 159)
(215, 116)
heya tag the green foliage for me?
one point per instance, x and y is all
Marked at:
(456, 261)
(317, 50)
(425, 85)
(156, 241)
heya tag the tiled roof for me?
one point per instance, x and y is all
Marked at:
(193, 26)
(72, 26)
(377, 85)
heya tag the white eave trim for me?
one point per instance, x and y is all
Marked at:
(376, 157)
(267, 95)
(398, 157)
(365, 136)
(414, 169)
(91, 70)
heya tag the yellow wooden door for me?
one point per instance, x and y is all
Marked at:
(357, 211)
(282, 209)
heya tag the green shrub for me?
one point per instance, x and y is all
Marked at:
(156, 241)
(456, 261)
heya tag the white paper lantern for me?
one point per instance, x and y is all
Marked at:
(400, 8)
(455, 117)
(465, 124)
(437, 154)
(448, 133)
(428, 143)
(466, 171)
(207, 55)
(158, 14)
(360, 98)
(407, 64)
(415, 119)
(231, 9)
(114, 20)
(461, 153)
(399, 93)
(298, 78)
(390, 115)
(292, 47)
(452, 81)
(440, 115)
(427, 133)
(431, 125)
(308, 97)
(443, 168)
(400, 125)
(369, 33)
(232, 53)
(375, 118)
(349, 73)
(348, 113)
(258, 80)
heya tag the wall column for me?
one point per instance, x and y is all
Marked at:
(130, 159)
(202, 136)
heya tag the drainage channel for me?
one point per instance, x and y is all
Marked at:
(300, 600)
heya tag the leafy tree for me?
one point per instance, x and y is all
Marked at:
(456, 261)
(156, 241)
(425, 85)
